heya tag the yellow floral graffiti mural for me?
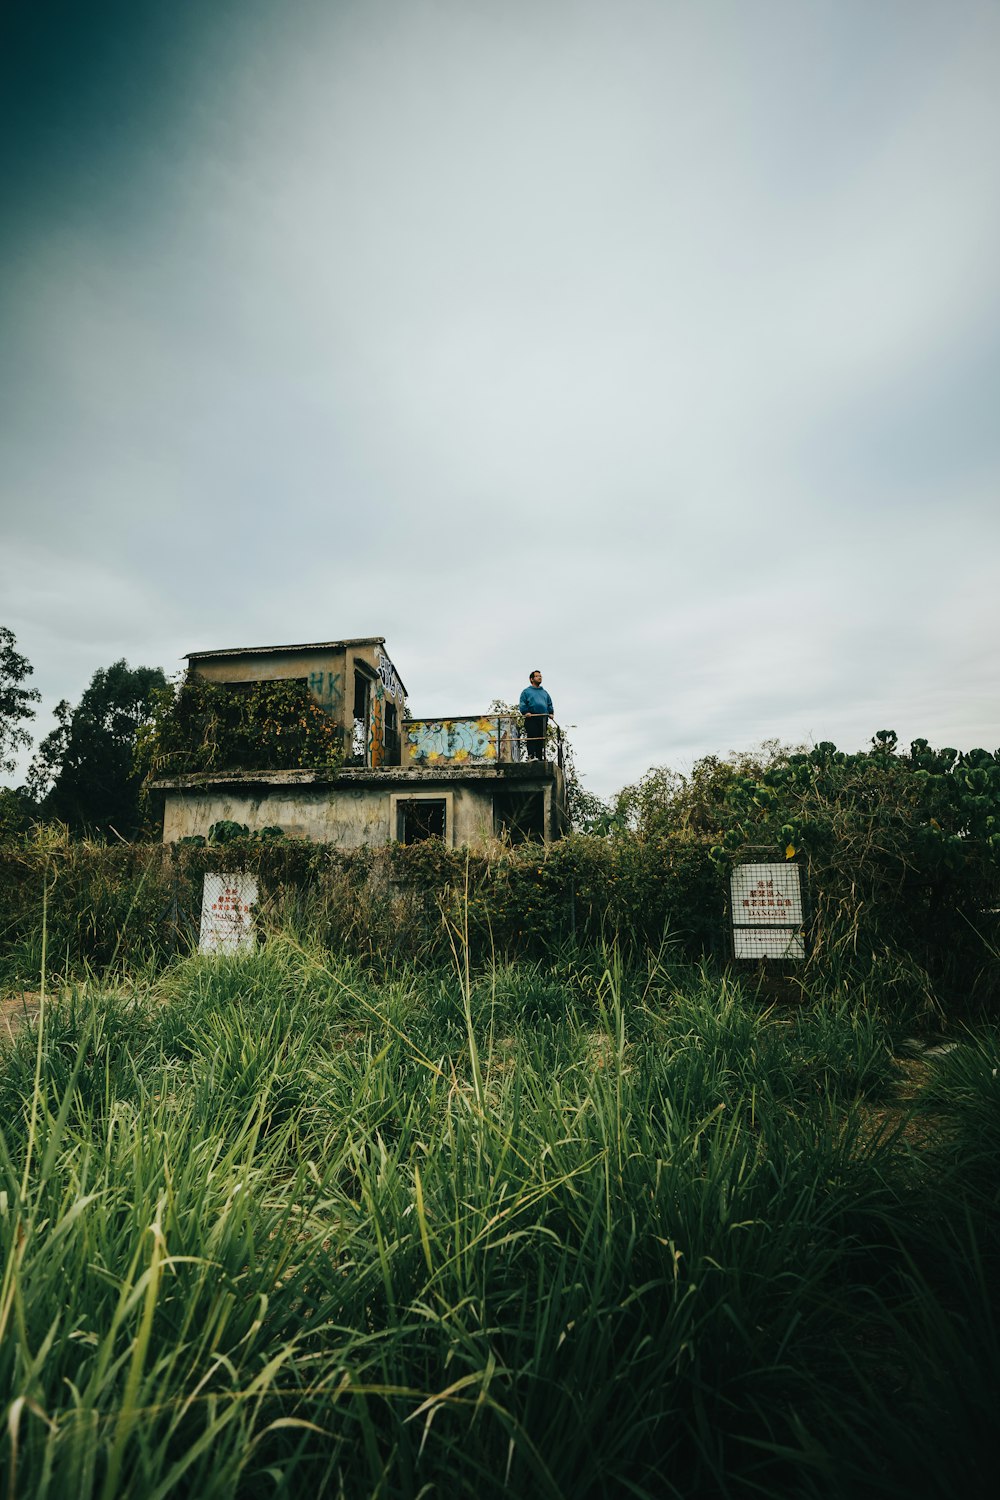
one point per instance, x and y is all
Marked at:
(451, 742)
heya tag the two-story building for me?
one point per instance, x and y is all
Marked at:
(463, 778)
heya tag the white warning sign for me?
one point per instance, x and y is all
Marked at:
(227, 906)
(766, 903)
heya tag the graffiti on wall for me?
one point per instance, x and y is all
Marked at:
(509, 740)
(376, 729)
(390, 682)
(326, 687)
(436, 742)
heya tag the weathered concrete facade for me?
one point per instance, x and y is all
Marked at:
(355, 681)
(462, 779)
(357, 807)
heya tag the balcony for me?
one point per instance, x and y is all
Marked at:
(470, 740)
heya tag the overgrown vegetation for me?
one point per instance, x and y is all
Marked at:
(84, 772)
(901, 850)
(485, 1175)
(900, 853)
(279, 1225)
(221, 726)
(141, 902)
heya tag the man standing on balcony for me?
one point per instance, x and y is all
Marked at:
(536, 705)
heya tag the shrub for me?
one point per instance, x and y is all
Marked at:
(216, 726)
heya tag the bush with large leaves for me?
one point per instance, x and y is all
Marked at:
(903, 852)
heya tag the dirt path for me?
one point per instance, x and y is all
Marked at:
(15, 1010)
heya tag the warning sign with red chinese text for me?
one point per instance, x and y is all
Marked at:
(767, 911)
(227, 906)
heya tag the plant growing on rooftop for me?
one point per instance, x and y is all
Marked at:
(260, 726)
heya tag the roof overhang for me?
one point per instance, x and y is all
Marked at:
(361, 640)
(202, 781)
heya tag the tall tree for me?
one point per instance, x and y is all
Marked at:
(84, 770)
(15, 700)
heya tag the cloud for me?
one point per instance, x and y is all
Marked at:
(656, 343)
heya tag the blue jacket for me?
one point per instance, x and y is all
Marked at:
(534, 701)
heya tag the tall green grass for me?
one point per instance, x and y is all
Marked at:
(275, 1225)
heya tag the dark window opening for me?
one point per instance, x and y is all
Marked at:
(393, 748)
(362, 707)
(520, 814)
(419, 819)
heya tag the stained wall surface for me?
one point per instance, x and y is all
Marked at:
(470, 763)
(348, 818)
(330, 669)
(485, 740)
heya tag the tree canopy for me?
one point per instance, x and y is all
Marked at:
(16, 701)
(84, 771)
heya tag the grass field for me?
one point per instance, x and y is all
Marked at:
(273, 1227)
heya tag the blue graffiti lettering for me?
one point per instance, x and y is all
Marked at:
(433, 740)
(326, 687)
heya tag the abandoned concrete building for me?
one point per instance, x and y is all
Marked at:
(462, 778)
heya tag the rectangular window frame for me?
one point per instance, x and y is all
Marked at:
(448, 798)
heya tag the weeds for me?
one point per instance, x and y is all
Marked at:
(273, 1223)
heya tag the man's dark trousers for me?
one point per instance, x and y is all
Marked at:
(535, 726)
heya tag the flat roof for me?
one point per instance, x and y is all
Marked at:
(345, 776)
(360, 640)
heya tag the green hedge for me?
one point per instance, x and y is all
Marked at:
(925, 930)
(106, 904)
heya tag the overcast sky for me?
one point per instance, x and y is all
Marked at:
(654, 344)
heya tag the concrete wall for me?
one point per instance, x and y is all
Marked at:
(348, 818)
(359, 807)
(322, 666)
(385, 688)
(329, 669)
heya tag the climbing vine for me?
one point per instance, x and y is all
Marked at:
(260, 726)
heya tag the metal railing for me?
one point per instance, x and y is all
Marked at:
(552, 749)
(474, 740)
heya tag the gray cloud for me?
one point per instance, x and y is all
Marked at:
(658, 344)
